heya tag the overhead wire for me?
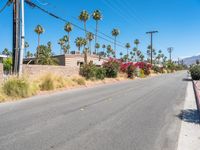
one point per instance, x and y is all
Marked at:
(33, 5)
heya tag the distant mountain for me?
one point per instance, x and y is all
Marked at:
(191, 60)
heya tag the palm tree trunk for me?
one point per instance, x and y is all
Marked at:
(96, 36)
(90, 47)
(68, 42)
(115, 46)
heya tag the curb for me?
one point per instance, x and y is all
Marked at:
(197, 95)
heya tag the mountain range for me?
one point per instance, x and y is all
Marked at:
(191, 60)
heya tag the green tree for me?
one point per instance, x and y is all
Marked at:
(7, 64)
(79, 43)
(96, 16)
(29, 54)
(68, 28)
(115, 33)
(97, 46)
(136, 42)
(127, 47)
(45, 55)
(26, 45)
(84, 16)
(6, 52)
(39, 30)
(90, 37)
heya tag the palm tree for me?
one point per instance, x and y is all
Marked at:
(104, 46)
(85, 50)
(90, 37)
(97, 46)
(61, 42)
(68, 28)
(96, 16)
(84, 16)
(29, 54)
(115, 33)
(39, 30)
(26, 45)
(127, 47)
(6, 52)
(79, 43)
(109, 50)
(136, 42)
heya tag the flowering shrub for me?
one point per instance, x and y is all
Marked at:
(111, 67)
(128, 68)
(146, 67)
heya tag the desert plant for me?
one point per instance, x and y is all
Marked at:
(47, 83)
(18, 88)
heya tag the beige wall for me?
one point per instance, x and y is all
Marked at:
(38, 70)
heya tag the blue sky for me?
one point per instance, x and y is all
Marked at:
(178, 23)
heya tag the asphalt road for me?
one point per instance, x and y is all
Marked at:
(130, 115)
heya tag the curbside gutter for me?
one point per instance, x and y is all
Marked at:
(197, 93)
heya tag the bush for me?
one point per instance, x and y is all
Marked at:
(195, 72)
(100, 73)
(131, 71)
(111, 67)
(157, 69)
(88, 71)
(92, 72)
(18, 87)
(146, 67)
(47, 83)
(79, 81)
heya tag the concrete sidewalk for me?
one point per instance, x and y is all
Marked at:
(189, 138)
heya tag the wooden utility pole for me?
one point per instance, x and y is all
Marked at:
(16, 36)
(151, 33)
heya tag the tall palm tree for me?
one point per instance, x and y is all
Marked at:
(90, 37)
(68, 28)
(26, 45)
(97, 46)
(96, 16)
(84, 16)
(136, 42)
(115, 33)
(39, 30)
(109, 50)
(127, 47)
(29, 54)
(104, 46)
(85, 50)
(79, 43)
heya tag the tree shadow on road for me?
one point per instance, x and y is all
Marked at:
(186, 79)
(190, 115)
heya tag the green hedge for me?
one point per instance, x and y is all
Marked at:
(195, 72)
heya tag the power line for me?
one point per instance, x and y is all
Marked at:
(33, 5)
(7, 4)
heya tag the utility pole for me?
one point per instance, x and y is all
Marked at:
(22, 39)
(170, 49)
(151, 33)
(16, 35)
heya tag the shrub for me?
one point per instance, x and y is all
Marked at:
(157, 69)
(195, 72)
(146, 67)
(100, 73)
(131, 71)
(18, 87)
(142, 75)
(92, 72)
(111, 67)
(79, 81)
(47, 83)
(88, 71)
